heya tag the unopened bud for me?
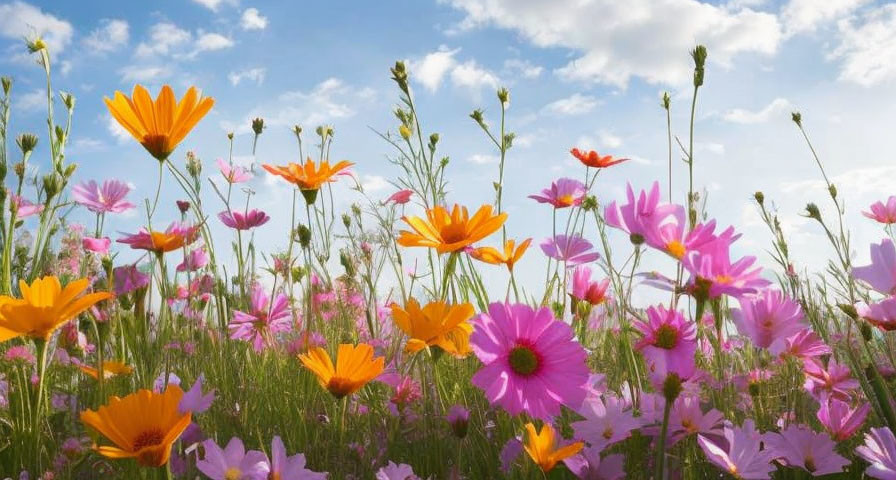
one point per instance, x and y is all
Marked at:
(356, 210)
(813, 212)
(433, 140)
(849, 310)
(183, 206)
(867, 334)
(297, 130)
(508, 140)
(26, 142)
(346, 263)
(477, 116)
(70, 170)
(68, 100)
(589, 203)
(400, 75)
(760, 197)
(304, 234)
(346, 220)
(230, 135)
(35, 45)
(19, 168)
(258, 125)
(7, 84)
(699, 55)
(833, 191)
(51, 185)
(404, 131)
(667, 100)
(671, 387)
(503, 95)
(636, 238)
(194, 165)
(797, 118)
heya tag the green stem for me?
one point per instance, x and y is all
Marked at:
(660, 461)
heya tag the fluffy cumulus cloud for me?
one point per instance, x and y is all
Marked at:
(633, 38)
(779, 107)
(868, 46)
(575, 104)
(111, 35)
(807, 15)
(433, 68)
(164, 38)
(213, 5)
(22, 20)
(212, 41)
(254, 75)
(252, 19)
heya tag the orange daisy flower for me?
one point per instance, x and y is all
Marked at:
(160, 124)
(44, 307)
(450, 232)
(142, 425)
(436, 324)
(175, 237)
(355, 366)
(509, 257)
(110, 369)
(542, 447)
(593, 159)
(309, 176)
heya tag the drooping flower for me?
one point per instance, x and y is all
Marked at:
(161, 124)
(193, 260)
(355, 366)
(105, 198)
(835, 381)
(310, 176)
(881, 273)
(176, 236)
(44, 307)
(264, 320)
(243, 220)
(742, 457)
(798, 446)
(436, 324)
(400, 197)
(584, 290)
(531, 362)
(512, 253)
(233, 173)
(806, 344)
(588, 465)
(573, 250)
(194, 400)
(591, 158)
(668, 345)
(394, 471)
(23, 207)
(111, 368)
(881, 314)
(606, 422)
(769, 319)
(129, 278)
(563, 193)
(840, 419)
(232, 462)
(544, 449)
(458, 418)
(883, 213)
(688, 418)
(880, 451)
(283, 467)
(96, 245)
(450, 232)
(142, 425)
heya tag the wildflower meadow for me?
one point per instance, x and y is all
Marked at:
(394, 340)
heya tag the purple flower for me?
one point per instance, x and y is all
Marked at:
(841, 420)
(881, 314)
(233, 462)
(396, 472)
(881, 274)
(233, 173)
(283, 467)
(687, 418)
(668, 345)
(880, 451)
(264, 320)
(798, 446)
(606, 422)
(806, 344)
(194, 400)
(23, 207)
(588, 465)
(458, 418)
(883, 213)
(571, 249)
(563, 193)
(244, 221)
(128, 278)
(836, 381)
(769, 319)
(643, 217)
(196, 259)
(713, 274)
(742, 457)
(108, 198)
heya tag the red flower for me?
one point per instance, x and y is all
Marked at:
(593, 159)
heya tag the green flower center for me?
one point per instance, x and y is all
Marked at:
(666, 337)
(523, 360)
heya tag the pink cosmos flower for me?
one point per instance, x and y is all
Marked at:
(806, 344)
(841, 420)
(232, 462)
(19, 353)
(233, 173)
(687, 418)
(834, 382)
(263, 320)
(584, 290)
(668, 345)
(194, 400)
(194, 260)
(588, 465)
(108, 198)
(400, 197)
(743, 456)
(96, 245)
(713, 274)
(880, 451)
(563, 193)
(883, 213)
(641, 218)
(531, 362)
(769, 318)
(128, 278)
(573, 250)
(24, 208)
(244, 220)
(394, 471)
(283, 467)
(881, 274)
(798, 446)
(606, 422)
(881, 314)
(146, 240)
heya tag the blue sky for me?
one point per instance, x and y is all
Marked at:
(587, 74)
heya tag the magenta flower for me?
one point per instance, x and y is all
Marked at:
(668, 345)
(606, 422)
(584, 290)
(588, 465)
(840, 419)
(880, 451)
(834, 382)
(687, 418)
(128, 278)
(881, 274)
(563, 193)
(881, 314)
(23, 207)
(19, 353)
(233, 173)
(798, 446)
(769, 319)
(570, 249)
(263, 320)
(713, 274)
(244, 221)
(458, 418)
(194, 260)
(806, 344)
(96, 245)
(108, 198)
(400, 197)
(283, 467)
(531, 362)
(742, 457)
(232, 462)
(883, 213)
(642, 218)
(194, 400)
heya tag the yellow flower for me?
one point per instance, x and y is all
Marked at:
(355, 366)
(509, 257)
(110, 369)
(142, 425)
(44, 307)
(310, 176)
(542, 447)
(438, 323)
(450, 232)
(161, 124)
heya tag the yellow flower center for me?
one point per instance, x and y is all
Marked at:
(233, 473)
(565, 200)
(724, 279)
(676, 249)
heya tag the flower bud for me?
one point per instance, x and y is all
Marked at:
(760, 197)
(400, 75)
(194, 165)
(503, 96)
(589, 203)
(35, 45)
(667, 100)
(258, 125)
(51, 185)
(849, 310)
(26, 142)
(230, 135)
(297, 130)
(304, 234)
(347, 263)
(477, 117)
(833, 191)
(346, 220)
(433, 141)
(867, 334)
(68, 100)
(797, 118)
(636, 238)
(405, 132)
(813, 212)
(508, 140)
(19, 168)
(671, 387)
(459, 419)
(70, 170)
(699, 55)
(7, 84)
(183, 206)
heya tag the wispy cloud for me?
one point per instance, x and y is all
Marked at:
(575, 104)
(778, 107)
(255, 75)
(20, 20)
(111, 35)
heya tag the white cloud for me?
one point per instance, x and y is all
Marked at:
(710, 147)
(87, 144)
(807, 15)
(576, 104)
(433, 67)
(642, 38)
(374, 183)
(143, 73)
(255, 75)
(523, 68)
(111, 35)
(609, 140)
(253, 20)
(34, 100)
(868, 46)
(214, 4)
(483, 159)
(163, 38)
(117, 131)
(778, 107)
(20, 20)
(471, 75)
(212, 41)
